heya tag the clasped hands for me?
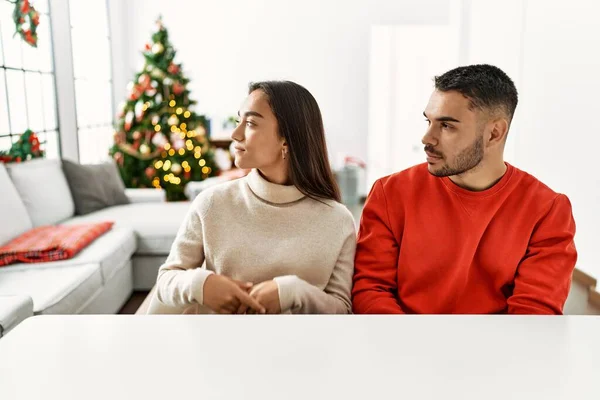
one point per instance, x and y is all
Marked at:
(224, 295)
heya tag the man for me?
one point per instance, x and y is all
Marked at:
(465, 232)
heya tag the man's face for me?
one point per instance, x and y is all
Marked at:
(454, 141)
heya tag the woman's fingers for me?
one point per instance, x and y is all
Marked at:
(246, 299)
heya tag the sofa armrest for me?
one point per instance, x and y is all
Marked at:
(146, 195)
(14, 310)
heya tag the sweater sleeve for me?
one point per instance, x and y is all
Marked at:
(181, 279)
(300, 297)
(376, 263)
(543, 277)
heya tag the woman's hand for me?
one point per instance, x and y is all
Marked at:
(225, 295)
(267, 294)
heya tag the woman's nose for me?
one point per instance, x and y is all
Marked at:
(238, 133)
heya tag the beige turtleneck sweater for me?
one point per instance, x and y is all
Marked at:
(253, 230)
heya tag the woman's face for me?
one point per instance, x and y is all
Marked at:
(257, 140)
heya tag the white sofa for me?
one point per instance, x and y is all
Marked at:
(99, 279)
(13, 310)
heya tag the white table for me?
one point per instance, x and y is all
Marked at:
(294, 357)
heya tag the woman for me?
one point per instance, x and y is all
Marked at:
(276, 241)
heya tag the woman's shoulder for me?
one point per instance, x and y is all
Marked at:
(333, 212)
(217, 194)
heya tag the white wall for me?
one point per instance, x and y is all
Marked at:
(550, 48)
(321, 44)
(559, 140)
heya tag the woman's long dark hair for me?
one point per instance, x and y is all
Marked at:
(300, 124)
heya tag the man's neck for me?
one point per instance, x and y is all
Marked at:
(481, 177)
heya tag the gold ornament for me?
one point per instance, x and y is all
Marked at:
(176, 169)
(144, 149)
(157, 48)
(173, 120)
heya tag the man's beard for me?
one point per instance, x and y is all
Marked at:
(466, 160)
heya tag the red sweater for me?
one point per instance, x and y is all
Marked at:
(425, 245)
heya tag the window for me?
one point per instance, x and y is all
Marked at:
(27, 84)
(90, 39)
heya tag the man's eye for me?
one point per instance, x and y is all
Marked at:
(250, 123)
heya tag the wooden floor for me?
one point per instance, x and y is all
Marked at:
(134, 302)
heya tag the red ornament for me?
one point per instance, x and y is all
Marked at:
(144, 80)
(134, 95)
(28, 38)
(150, 172)
(187, 174)
(147, 47)
(173, 69)
(25, 7)
(178, 88)
(18, 159)
(35, 18)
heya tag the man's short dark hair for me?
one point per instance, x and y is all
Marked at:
(487, 87)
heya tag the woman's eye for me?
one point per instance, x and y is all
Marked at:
(249, 123)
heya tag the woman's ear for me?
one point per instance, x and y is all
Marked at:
(284, 149)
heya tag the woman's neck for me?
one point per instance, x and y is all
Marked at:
(277, 174)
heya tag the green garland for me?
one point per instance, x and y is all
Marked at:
(26, 148)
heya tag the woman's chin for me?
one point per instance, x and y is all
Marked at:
(240, 163)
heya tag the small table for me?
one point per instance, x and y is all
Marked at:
(301, 357)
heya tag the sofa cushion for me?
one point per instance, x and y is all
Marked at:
(13, 310)
(13, 213)
(155, 224)
(110, 251)
(43, 188)
(94, 187)
(55, 290)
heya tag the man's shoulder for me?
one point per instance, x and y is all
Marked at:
(536, 198)
(534, 189)
(410, 175)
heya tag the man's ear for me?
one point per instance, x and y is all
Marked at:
(498, 132)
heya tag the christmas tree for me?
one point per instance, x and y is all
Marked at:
(159, 141)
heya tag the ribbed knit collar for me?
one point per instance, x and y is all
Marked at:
(271, 192)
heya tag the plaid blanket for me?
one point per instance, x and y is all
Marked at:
(51, 243)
